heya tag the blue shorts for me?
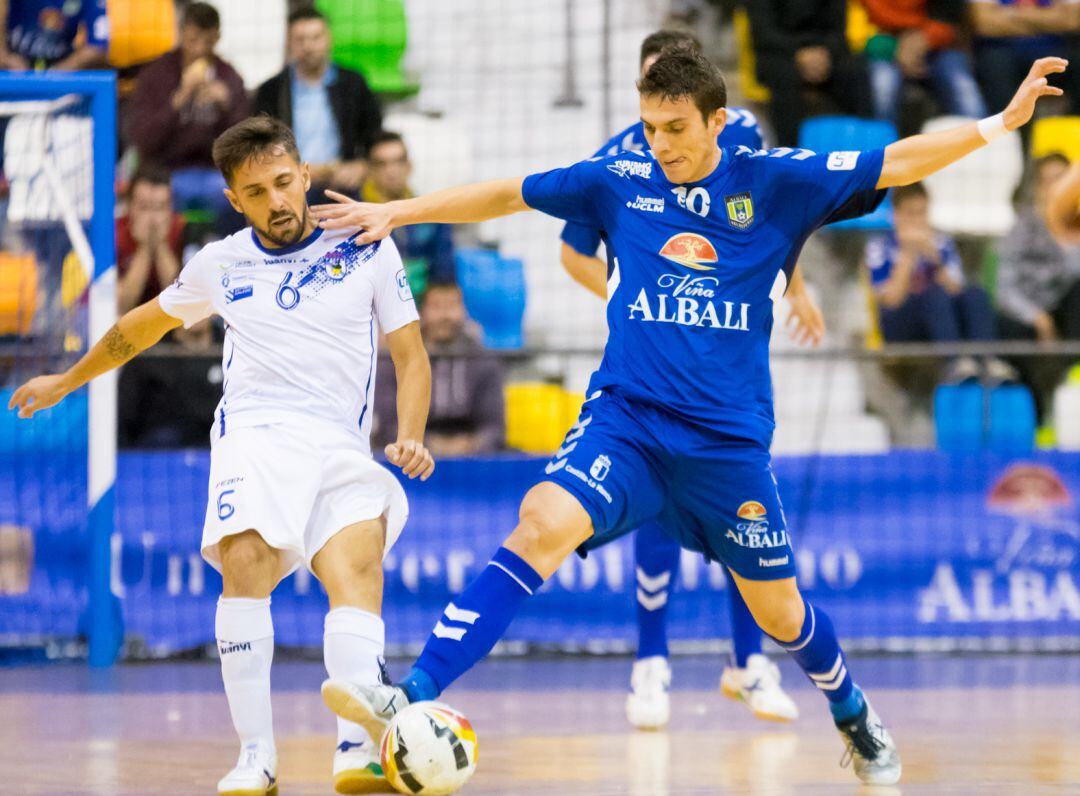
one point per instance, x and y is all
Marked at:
(628, 463)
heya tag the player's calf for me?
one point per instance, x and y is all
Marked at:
(552, 524)
(807, 634)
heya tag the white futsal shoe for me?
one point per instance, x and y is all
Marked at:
(648, 705)
(758, 687)
(357, 769)
(370, 706)
(255, 773)
(870, 748)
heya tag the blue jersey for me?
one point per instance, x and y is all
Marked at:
(44, 31)
(695, 268)
(741, 130)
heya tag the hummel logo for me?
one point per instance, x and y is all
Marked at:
(345, 746)
(650, 204)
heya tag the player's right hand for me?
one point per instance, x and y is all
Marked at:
(412, 457)
(37, 394)
(374, 219)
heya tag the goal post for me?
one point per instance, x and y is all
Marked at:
(86, 212)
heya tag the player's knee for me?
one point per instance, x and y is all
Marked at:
(783, 619)
(247, 561)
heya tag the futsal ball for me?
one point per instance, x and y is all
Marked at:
(429, 749)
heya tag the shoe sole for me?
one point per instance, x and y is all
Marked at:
(735, 696)
(358, 711)
(361, 781)
(250, 792)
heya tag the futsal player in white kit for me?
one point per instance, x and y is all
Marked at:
(292, 480)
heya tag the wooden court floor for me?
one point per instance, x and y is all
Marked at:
(557, 728)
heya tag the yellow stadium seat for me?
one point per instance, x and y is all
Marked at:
(140, 30)
(538, 415)
(872, 337)
(18, 292)
(1056, 134)
(752, 90)
(859, 26)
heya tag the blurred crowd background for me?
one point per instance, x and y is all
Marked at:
(952, 289)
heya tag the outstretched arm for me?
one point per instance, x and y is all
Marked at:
(1063, 207)
(134, 332)
(911, 159)
(462, 205)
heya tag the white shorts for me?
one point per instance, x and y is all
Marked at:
(297, 486)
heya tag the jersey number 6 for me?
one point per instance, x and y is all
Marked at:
(225, 510)
(287, 295)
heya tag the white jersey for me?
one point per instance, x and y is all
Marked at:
(300, 324)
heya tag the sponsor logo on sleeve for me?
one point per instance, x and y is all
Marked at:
(631, 168)
(403, 290)
(842, 161)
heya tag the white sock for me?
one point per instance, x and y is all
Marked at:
(245, 639)
(353, 642)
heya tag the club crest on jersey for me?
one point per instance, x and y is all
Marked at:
(691, 251)
(740, 210)
(333, 264)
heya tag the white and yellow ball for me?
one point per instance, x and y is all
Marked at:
(429, 749)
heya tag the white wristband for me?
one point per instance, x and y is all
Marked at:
(992, 127)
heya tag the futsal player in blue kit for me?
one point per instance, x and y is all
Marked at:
(750, 676)
(678, 418)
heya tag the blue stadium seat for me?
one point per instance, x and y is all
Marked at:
(959, 417)
(841, 133)
(494, 292)
(1012, 420)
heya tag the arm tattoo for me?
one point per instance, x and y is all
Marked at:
(118, 346)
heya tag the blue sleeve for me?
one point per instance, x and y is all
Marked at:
(840, 185)
(581, 238)
(950, 258)
(572, 193)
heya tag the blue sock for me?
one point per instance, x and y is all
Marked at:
(657, 557)
(470, 626)
(818, 652)
(745, 633)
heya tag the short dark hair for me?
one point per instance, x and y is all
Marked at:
(1046, 160)
(656, 43)
(151, 174)
(304, 13)
(202, 15)
(386, 137)
(255, 136)
(681, 73)
(902, 193)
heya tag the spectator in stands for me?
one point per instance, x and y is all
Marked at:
(149, 239)
(182, 102)
(1010, 34)
(426, 249)
(468, 413)
(919, 42)
(1039, 278)
(918, 281)
(331, 109)
(50, 34)
(800, 46)
(1063, 208)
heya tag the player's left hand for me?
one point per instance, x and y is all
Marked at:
(412, 457)
(374, 219)
(805, 321)
(1035, 85)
